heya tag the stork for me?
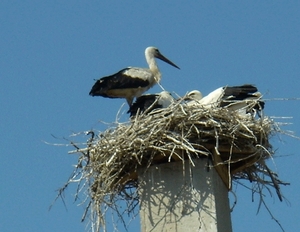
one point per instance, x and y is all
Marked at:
(131, 82)
(150, 102)
(233, 98)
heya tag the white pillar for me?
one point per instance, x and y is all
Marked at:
(178, 197)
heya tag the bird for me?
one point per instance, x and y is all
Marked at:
(231, 97)
(193, 97)
(150, 102)
(131, 82)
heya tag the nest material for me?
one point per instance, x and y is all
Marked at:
(237, 143)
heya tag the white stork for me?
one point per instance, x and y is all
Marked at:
(131, 82)
(150, 102)
(234, 97)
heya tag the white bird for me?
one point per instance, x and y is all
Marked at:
(234, 97)
(150, 102)
(131, 82)
(193, 97)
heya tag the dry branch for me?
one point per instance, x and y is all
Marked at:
(238, 144)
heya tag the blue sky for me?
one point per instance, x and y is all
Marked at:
(51, 52)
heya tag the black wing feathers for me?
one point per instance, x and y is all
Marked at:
(142, 103)
(116, 81)
(239, 92)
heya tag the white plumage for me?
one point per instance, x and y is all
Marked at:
(233, 98)
(150, 102)
(131, 82)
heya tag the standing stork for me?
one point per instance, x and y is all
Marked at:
(231, 97)
(150, 102)
(131, 82)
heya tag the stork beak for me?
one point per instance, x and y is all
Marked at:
(161, 57)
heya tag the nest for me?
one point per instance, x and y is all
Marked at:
(236, 143)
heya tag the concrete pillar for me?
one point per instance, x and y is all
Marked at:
(178, 197)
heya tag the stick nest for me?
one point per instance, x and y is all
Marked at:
(237, 143)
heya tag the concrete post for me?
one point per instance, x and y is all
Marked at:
(178, 197)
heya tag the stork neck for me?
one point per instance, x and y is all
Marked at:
(154, 68)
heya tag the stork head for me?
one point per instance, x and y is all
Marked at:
(194, 95)
(165, 99)
(152, 52)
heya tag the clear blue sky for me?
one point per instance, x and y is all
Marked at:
(51, 52)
